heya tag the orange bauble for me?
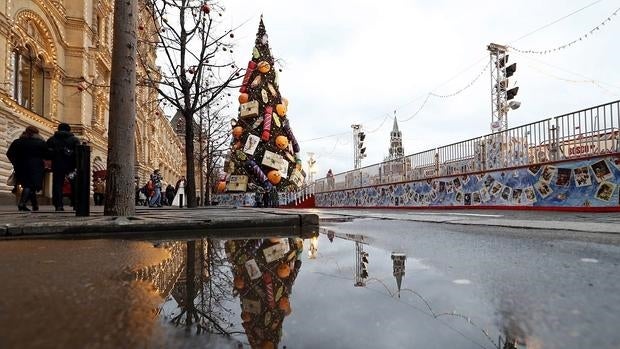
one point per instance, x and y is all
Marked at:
(281, 109)
(237, 131)
(274, 176)
(281, 142)
(221, 186)
(264, 67)
(244, 98)
(267, 345)
(284, 304)
(239, 283)
(284, 271)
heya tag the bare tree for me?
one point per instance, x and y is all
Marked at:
(121, 141)
(214, 139)
(192, 47)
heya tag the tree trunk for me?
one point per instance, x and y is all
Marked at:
(207, 184)
(120, 195)
(201, 158)
(190, 186)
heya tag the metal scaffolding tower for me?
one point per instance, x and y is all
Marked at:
(501, 93)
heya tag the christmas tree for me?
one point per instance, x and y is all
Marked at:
(264, 151)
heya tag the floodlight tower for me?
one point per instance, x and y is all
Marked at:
(311, 167)
(501, 93)
(359, 151)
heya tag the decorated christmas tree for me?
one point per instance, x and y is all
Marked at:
(264, 151)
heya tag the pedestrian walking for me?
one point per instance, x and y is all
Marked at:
(61, 147)
(156, 180)
(99, 191)
(330, 180)
(27, 154)
(170, 193)
(179, 197)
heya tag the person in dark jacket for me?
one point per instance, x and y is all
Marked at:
(27, 154)
(61, 147)
(170, 192)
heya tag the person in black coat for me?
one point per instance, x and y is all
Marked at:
(170, 192)
(61, 147)
(27, 154)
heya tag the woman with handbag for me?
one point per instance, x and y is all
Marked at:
(27, 154)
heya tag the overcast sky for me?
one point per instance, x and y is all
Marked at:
(349, 62)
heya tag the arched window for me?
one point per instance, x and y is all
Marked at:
(29, 82)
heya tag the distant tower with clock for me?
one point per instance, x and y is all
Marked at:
(396, 142)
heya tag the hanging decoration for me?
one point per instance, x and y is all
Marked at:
(571, 43)
(263, 148)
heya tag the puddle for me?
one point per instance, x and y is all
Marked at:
(331, 290)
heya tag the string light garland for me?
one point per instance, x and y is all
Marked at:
(571, 43)
(471, 83)
(594, 82)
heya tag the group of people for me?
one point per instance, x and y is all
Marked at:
(28, 154)
(154, 194)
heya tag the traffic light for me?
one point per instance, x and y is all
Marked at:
(364, 265)
(360, 144)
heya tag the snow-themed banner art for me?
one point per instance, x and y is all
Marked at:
(593, 182)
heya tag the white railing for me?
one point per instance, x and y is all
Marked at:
(588, 132)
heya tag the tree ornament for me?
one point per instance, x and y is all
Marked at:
(264, 67)
(281, 109)
(239, 282)
(205, 8)
(141, 27)
(244, 98)
(237, 132)
(284, 303)
(256, 81)
(290, 135)
(274, 177)
(232, 35)
(281, 142)
(246, 316)
(221, 186)
(248, 75)
(265, 135)
(283, 271)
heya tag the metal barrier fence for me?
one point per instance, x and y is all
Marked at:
(587, 132)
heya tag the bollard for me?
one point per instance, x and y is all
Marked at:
(82, 180)
(180, 200)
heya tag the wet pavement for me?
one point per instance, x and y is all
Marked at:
(427, 286)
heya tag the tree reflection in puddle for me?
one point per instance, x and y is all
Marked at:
(264, 273)
(201, 279)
